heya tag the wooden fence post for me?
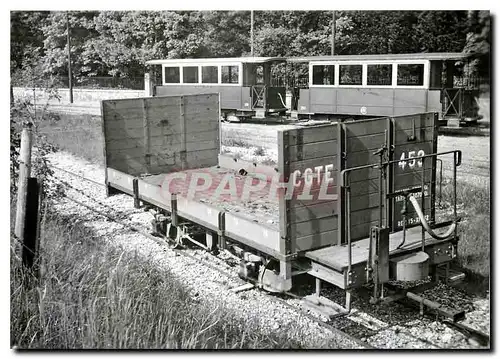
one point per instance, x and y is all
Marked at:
(30, 235)
(24, 174)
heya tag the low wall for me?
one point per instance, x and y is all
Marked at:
(82, 98)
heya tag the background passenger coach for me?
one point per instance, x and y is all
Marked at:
(244, 83)
(337, 87)
(384, 85)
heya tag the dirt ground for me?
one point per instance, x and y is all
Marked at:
(476, 161)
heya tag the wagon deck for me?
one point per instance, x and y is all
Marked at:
(258, 206)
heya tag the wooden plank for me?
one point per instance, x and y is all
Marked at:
(313, 150)
(198, 212)
(319, 133)
(202, 99)
(182, 150)
(328, 275)
(365, 127)
(153, 194)
(363, 158)
(316, 240)
(120, 178)
(167, 129)
(405, 122)
(422, 134)
(366, 215)
(252, 231)
(369, 143)
(302, 165)
(172, 140)
(133, 146)
(316, 226)
(309, 196)
(365, 187)
(286, 243)
(164, 162)
(336, 256)
(207, 113)
(136, 122)
(365, 201)
(131, 115)
(123, 104)
(373, 142)
(301, 213)
(168, 122)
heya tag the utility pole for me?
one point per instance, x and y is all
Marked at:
(333, 33)
(251, 32)
(70, 82)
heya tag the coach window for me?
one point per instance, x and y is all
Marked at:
(172, 75)
(350, 75)
(190, 74)
(209, 74)
(379, 75)
(410, 74)
(229, 74)
(323, 74)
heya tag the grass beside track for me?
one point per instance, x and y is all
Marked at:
(92, 295)
(80, 134)
(474, 206)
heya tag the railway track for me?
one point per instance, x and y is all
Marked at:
(349, 327)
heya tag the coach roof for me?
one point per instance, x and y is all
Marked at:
(385, 57)
(249, 59)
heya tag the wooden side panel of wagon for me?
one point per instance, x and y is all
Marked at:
(403, 137)
(161, 134)
(359, 141)
(308, 212)
(414, 135)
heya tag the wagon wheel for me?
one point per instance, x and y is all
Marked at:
(267, 276)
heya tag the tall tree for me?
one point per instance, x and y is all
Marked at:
(26, 36)
(478, 41)
(227, 33)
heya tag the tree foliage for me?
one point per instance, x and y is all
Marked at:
(117, 43)
(478, 41)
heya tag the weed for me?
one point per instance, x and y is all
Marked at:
(259, 151)
(474, 203)
(78, 134)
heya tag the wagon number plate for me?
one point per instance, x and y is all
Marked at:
(411, 164)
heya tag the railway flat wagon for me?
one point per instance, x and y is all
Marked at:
(351, 203)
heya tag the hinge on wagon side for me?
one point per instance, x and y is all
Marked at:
(412, 137)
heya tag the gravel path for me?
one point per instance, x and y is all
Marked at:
(393, 326)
